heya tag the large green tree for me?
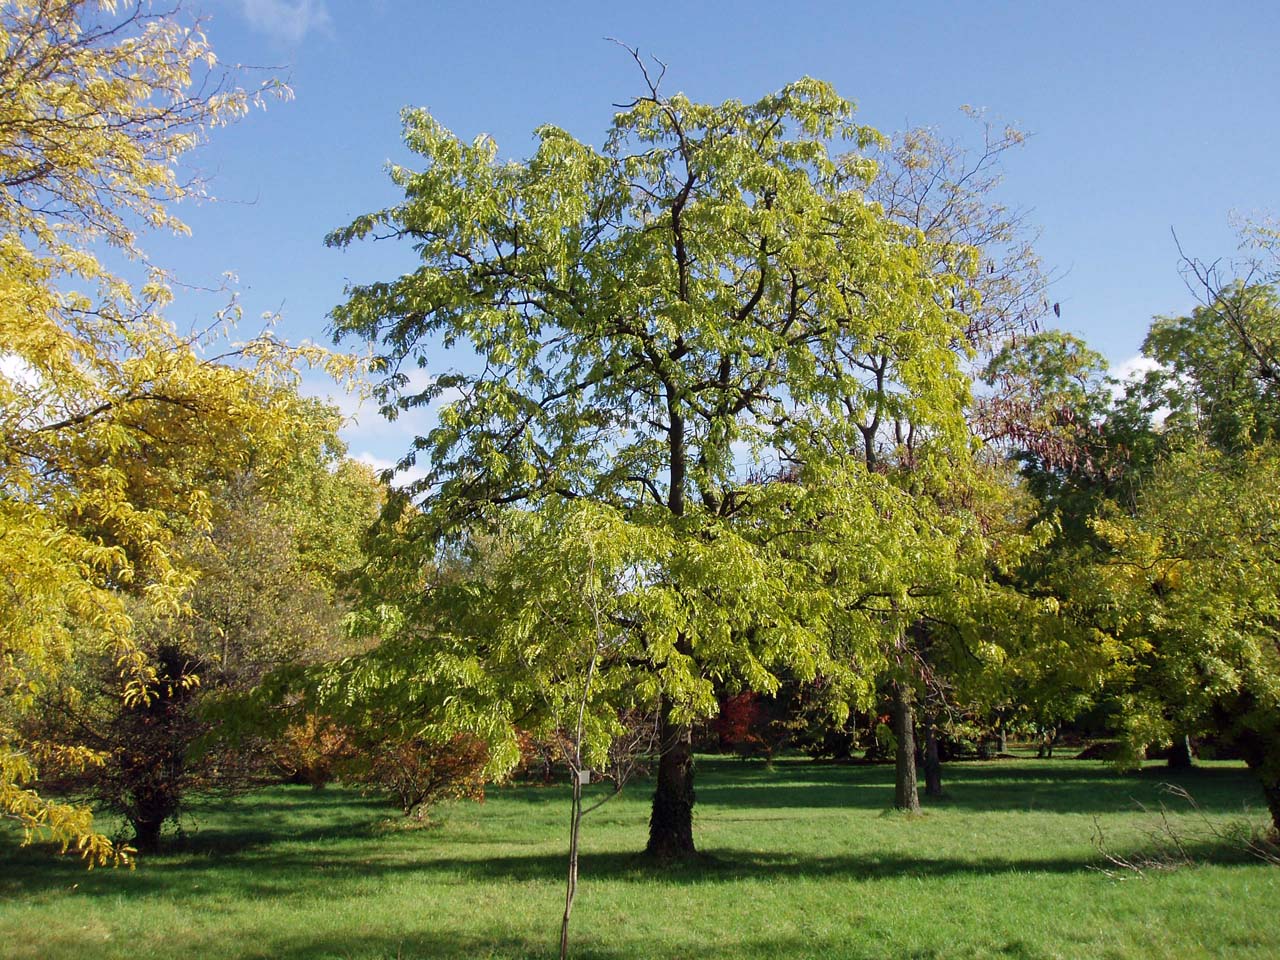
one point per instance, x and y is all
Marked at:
(640, 325)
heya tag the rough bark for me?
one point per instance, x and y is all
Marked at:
(932, 762)
(671, 821)
(906, 794)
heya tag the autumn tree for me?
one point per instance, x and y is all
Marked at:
(98, 103)
(263, 596)
(645, 317)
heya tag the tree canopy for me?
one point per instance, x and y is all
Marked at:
(644, 327)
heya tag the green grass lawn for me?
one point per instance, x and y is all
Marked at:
(803, 860)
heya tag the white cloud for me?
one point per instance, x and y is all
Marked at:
(1131, 370)
(287, 20)
(402, 477)
(1134, 368)
(382, 442)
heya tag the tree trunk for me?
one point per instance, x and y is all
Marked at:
(932, 762)
(1180, 755)
(1004, 737)
(571, 885)
(1048, 737)
(1271, 789)
(671, 822)
(146, 831)
(906, 795)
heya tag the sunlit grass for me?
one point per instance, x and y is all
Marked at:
(802, 860)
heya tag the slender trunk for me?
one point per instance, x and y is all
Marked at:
(671, 822)
(1004, 735)
(1048, 737)
(1180, 755)
(571, 887)
(906, 794)
(932, 762)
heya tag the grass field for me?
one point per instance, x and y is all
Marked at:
(802, 860)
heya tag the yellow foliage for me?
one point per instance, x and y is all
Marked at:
(113, 424)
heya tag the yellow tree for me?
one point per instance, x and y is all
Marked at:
(107, 412)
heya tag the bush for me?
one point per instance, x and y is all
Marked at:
(419, 772)
(310, 752)
(541, 758)
(740, 724)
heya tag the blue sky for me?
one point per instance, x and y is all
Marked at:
(1144, 117)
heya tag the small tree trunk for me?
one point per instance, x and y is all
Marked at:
(671, 822)
(932, 762)
(1180, 755)
(1004, 737)
(571, 886)
(906, 794)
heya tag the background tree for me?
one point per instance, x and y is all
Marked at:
(1052, 408)
(946, 193)
(1215, 378)
(97, 105)
(263, 596)
(1189, 562)
(1193, 580)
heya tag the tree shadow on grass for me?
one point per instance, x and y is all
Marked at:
(605, 945)
(310, 874)
(293, 842)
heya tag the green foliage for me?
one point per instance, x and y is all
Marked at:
(1052, 403)
(1194, 580)
(257, 602)
(110, 417)
(703, 277)
(1216, 378)
(711, 286)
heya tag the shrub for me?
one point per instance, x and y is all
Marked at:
(310, 752)
(419, 772)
